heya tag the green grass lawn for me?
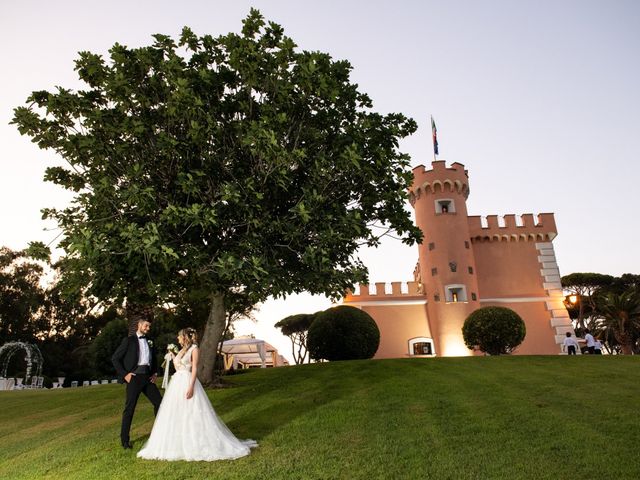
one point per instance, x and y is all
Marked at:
(444, 418)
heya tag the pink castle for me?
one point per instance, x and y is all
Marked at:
(464, 264)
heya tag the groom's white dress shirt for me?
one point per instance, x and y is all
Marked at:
(143, 358)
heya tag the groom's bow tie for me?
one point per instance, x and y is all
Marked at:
(143, 337)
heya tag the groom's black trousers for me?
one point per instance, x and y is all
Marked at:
(139, 384)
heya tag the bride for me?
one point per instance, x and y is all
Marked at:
(187, 427)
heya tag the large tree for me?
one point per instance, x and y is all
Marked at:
(235, 166)
(23, 299)
(584, 286)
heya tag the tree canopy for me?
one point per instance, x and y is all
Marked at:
(232, 167)
(296, 327)
(23, 299)
(584, 285)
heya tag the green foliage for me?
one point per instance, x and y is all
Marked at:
(604, 305)
(296, 327)
(493, 330)
(22, 298)
(584, 282)
(343, 333)
(295, 323)
(584, 286)
(237, 161)
(105, 344)
(234, 166)
(621, 315)
(625, 282)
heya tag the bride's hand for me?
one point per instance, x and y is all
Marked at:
(189, 392)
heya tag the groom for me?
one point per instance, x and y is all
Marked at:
(136, 364)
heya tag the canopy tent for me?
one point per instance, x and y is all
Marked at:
(249, 352)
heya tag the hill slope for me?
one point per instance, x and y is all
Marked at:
(482, 417)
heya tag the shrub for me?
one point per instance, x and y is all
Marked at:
(493, 330)
(343, 333)
(105, 344)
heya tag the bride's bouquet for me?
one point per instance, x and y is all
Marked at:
(171, 351)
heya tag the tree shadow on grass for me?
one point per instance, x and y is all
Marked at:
(260, 402)
(265, 402)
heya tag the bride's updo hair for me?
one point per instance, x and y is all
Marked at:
(190, 336)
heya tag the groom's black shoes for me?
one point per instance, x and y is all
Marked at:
(127, 444)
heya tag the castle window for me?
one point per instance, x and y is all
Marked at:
(445, 205)
(455, 293)
(466, 244)
(436, 297)
(471, 270)
(453, 266)
(421, 346)
(434, 272)
(474, 297)
(432, 246)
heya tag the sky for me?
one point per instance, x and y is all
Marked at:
(539, 99)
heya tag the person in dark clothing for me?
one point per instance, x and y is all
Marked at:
(136, 365)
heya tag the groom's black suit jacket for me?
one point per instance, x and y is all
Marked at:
(125, 358)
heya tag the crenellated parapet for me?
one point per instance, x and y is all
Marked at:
(439, 179)
(511, 228)
(384, 291)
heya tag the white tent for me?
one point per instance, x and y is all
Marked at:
(250, 352)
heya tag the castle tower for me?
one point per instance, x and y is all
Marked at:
(446, 267)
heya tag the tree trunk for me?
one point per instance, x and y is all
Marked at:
(210, 339)
(581, 313)
(301, 355)
(625, 340)
(626, 343)
(293, 348)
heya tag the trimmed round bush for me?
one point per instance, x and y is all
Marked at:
(494, 330)
(343, 333)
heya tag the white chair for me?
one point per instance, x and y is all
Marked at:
(85, 383)
(74, 384)
(40, 383)
(104, 382)
(54, 384)
(115, 380)
(10, 383)
(95, 382)
(34, 382)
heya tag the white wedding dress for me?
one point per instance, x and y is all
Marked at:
(190, 429)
